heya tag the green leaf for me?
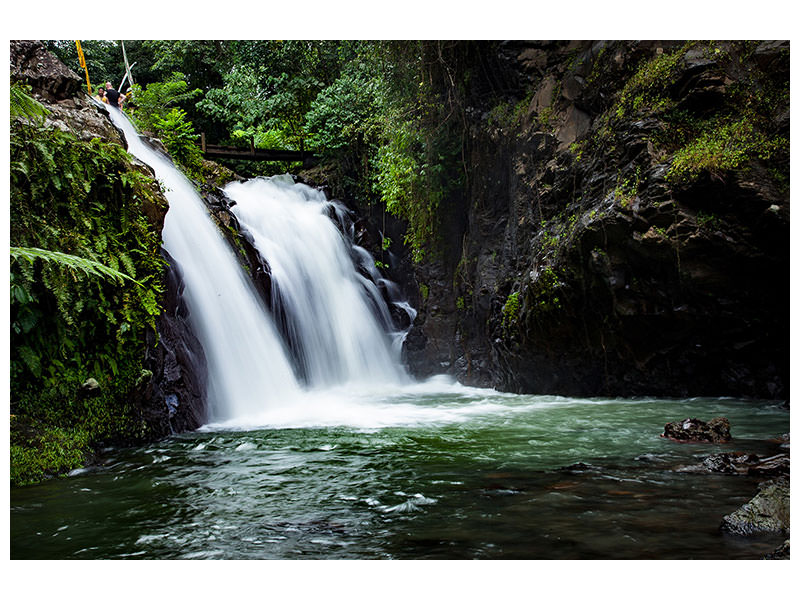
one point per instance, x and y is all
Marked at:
(90, 267)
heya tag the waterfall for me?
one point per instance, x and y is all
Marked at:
(335, 319)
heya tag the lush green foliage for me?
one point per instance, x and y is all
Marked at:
(388, 117)
(155, 109)
(738, 131)
(76, 263)
(369, 108)
(44, 450)
(154, 102)
(24, 107)
(705, 137)
(86, 281)
(270, 86)
(104, 59)
(348, 112)
(180, 140)
(723, 145)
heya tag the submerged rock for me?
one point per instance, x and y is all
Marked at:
(741, 463)
(716, 431)
(767, 512)
(783, 441)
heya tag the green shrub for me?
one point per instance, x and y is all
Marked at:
(646, 89)
(45, 452)
(723, 146)
(511, 310)
(180, 140)
(157, 99)
(424, 290)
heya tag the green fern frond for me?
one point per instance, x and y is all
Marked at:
(76, 263)
(23, 105)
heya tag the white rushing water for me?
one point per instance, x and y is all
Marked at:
(336, 317)
(336, 320)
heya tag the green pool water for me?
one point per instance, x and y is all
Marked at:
(416, 474)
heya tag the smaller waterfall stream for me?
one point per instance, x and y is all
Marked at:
(335, 317)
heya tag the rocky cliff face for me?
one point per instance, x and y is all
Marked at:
(626, 227)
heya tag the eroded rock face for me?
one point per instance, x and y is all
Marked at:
(173, 398)
(716, 431)
(581, 268)
(32, 63)
(741, 463)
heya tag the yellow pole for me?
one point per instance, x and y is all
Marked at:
(83, 64)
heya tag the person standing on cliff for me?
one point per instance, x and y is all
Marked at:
(101, 95)
(112, 95)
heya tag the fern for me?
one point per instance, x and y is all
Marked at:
(23, 105)
(76, 263)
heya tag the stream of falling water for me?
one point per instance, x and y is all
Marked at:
(334, 317)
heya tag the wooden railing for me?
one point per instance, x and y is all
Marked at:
(253, 153)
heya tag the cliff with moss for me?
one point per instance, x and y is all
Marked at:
(624, 227)
(100, 350)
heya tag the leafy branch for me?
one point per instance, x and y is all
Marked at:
(76, 263)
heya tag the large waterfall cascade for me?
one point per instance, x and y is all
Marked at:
(336, 320)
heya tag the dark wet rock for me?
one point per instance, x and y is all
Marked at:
(218, 175)
(171, 393)
(716, 431)
(767, 512)
(575, 126)
(783, 441)
(650, 458)
(780, 553)
(771, 466)
(741, 463)
(580, 467)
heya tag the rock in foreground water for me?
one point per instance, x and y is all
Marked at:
(741, 463)
(767, 512)
(716, 431)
